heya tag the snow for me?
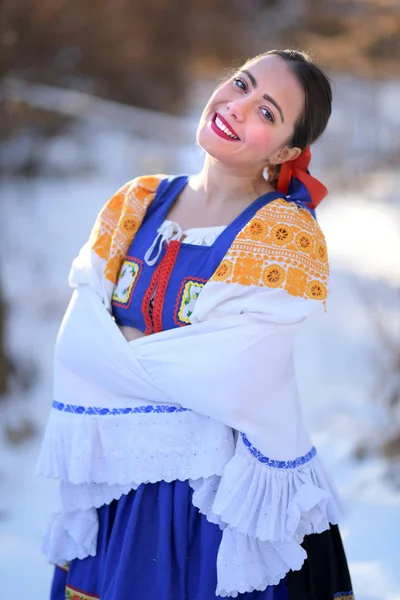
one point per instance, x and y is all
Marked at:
(45, 221)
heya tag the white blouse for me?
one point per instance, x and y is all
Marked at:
(169, 230)
(163, 407)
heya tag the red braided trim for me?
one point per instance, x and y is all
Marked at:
(168, 263)
(147, 298)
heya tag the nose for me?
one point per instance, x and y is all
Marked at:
(237, 109)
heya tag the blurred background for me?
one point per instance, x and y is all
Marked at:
(94, 93)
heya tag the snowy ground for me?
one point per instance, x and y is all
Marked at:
(43, 224)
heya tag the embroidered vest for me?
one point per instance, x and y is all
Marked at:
(274, 242)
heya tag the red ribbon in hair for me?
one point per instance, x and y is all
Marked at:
(298, 168)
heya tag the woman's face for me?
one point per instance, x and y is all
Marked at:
(249, 119)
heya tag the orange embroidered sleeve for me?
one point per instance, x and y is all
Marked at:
(119, 220)
(281, 247)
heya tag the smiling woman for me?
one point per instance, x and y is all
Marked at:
(186, 469)
(286, 91)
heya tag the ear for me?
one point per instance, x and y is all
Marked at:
(285, 154)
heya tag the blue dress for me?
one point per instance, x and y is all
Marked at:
(153, 544)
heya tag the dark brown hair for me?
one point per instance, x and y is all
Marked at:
(317, 106)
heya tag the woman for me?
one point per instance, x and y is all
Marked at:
(186, 470)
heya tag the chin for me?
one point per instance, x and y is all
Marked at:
(208, 141)
(213, 152)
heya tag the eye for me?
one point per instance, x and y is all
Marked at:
(267, 114)
(238, 82)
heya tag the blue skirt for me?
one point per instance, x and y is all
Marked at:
(153, 544)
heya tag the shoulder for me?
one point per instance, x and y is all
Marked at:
(138, 189)
(120, 218)
(144, 184)
(285, 225)
(282, 246)
(130, 199)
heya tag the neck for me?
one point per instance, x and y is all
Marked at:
(218, 184)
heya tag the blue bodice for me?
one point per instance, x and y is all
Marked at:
(160, 296)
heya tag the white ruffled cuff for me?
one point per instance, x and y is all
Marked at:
(246, 564)
(265, 508)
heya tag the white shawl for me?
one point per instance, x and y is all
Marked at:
(215, 402)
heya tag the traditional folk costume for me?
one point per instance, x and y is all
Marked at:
(186, 471)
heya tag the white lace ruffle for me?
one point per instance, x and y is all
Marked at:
(265, 513)
(84, 496)
(119, 450)
(269, 503)
(71, 535)
(245, 564)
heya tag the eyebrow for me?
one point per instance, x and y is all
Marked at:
(265, 96)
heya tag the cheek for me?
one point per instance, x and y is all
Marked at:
(205, 115)
(261, 139)
(214, 100)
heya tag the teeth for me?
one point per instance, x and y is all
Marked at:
(223, 128)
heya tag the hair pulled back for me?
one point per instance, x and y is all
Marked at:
(317, 105)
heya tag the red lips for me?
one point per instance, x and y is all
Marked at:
(221, 133)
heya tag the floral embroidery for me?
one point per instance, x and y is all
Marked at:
(101, 411)
(119, 220)
(278, 464)
(281, 234)
(281, 247)
(273, 276)
(247, 270)
(344, 596)
(72, 593)
(304, 242)
(223, 271)
(130, 225)
(321, 252)
(127, 280)
(317, 290)
(296, 281)
(187, 297)
(256, 229)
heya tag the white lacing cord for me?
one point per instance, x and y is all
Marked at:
(166, 233)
